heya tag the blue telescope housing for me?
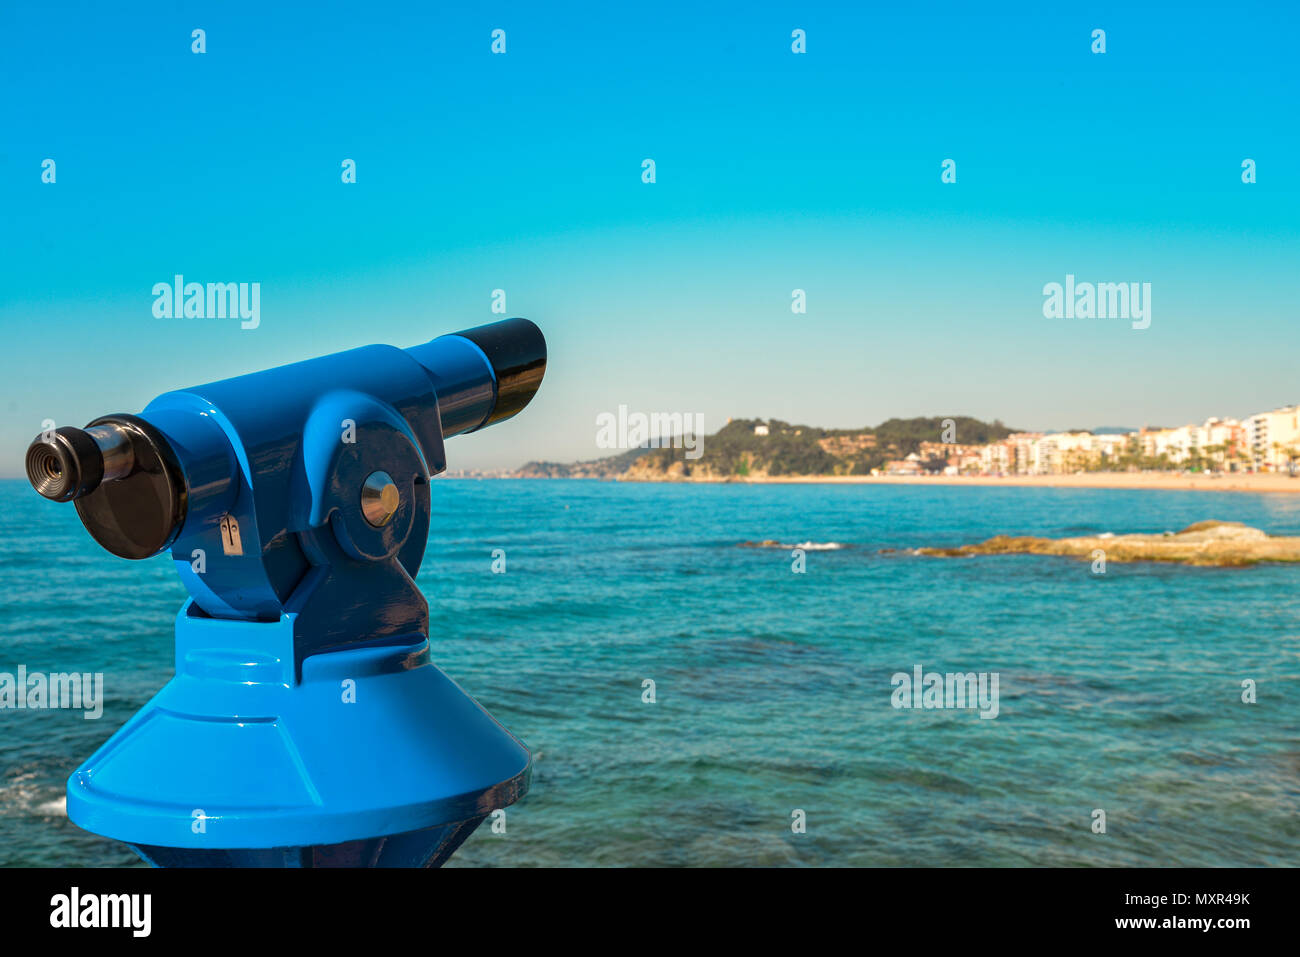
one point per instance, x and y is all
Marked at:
(306, 724)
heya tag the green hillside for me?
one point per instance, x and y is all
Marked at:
(737, 450)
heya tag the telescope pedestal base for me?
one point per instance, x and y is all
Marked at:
(371, 758)
(429, 847)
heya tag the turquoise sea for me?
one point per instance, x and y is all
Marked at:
(1119, 691)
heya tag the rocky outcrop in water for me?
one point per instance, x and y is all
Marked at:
(1205, 543)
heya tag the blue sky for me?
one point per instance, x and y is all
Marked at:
(774, 171)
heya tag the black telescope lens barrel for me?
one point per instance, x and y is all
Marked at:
(64, 464)
(517, 350)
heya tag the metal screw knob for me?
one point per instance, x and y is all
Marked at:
(379, 499)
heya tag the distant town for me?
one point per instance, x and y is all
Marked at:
(1266, 442)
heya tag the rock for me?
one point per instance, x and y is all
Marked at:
(1226, 544)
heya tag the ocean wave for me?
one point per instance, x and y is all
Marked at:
(22, 795)
(806, 546)
(55, 808)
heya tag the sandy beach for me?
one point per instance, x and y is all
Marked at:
(1232, 482)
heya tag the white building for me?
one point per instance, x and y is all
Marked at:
(1271, 435)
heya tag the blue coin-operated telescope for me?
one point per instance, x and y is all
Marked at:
(305, 725)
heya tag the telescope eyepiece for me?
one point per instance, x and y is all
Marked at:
(127, 484)
(64, 464)
(68, 463)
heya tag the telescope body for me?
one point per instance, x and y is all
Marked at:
(306, 724)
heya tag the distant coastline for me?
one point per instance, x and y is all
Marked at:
(1261, 454)
(1166, 481)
